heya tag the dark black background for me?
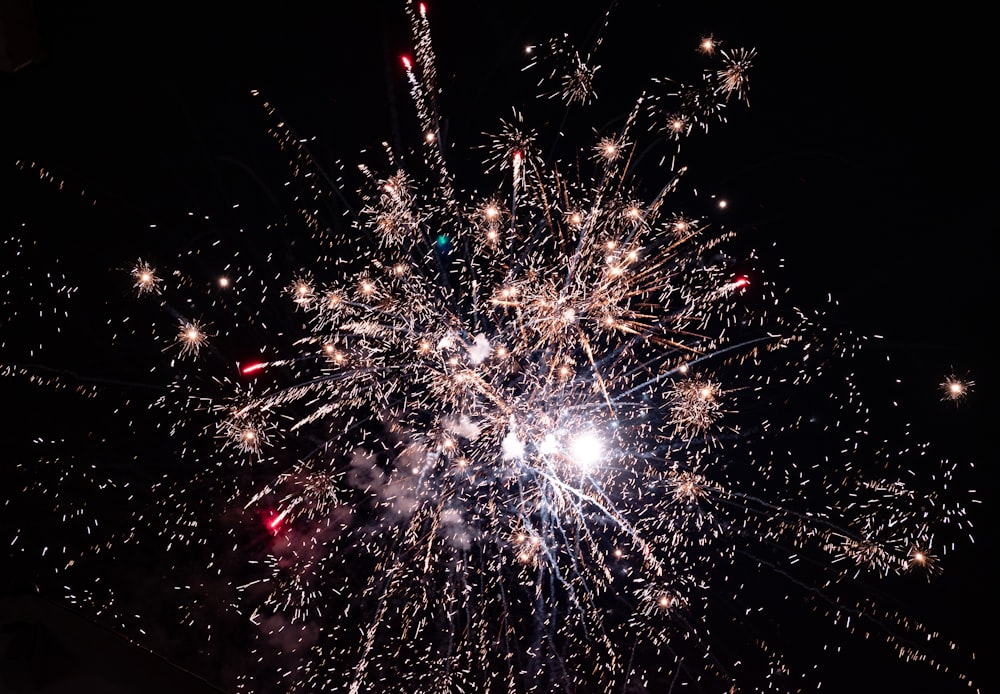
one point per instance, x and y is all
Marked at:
(867, 156)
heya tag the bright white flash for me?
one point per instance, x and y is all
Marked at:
(586, 450)
(549, 445)
(512, 447)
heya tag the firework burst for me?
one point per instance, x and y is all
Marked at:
(534, 439)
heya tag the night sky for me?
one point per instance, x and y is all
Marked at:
(865, 160)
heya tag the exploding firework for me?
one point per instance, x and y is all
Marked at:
(955, 388)
(544, 438)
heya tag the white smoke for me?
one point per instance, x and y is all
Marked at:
(480, 349)
(512, 447)
(453, 528)
(462, 426)
(364, 473)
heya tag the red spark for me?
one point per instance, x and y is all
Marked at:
(273, 523)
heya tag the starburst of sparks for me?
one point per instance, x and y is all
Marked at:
(145, 278)
(525, 440)
(955, 388)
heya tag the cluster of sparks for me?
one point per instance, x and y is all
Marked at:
(525, 441)
(956, 388)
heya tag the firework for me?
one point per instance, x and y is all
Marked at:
(530, 440)
(955, 388)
